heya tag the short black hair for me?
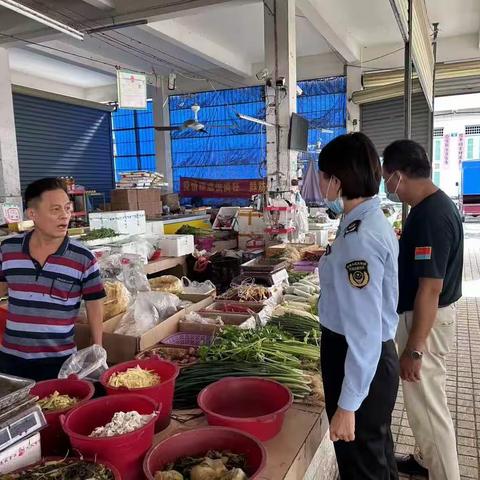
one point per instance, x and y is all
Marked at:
(36, 189)
(408, 157)
(353, 159)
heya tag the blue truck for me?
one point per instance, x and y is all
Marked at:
(470, 189)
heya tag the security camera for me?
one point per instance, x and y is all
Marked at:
(263, 74)
(299, 91)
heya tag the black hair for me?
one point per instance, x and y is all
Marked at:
(37, 188)
(408, 157)
(353, 159)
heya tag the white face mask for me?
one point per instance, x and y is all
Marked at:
(393, 196)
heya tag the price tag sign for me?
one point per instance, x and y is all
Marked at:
(11, 213)
(132, 90)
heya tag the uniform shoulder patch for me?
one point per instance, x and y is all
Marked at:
(358, 275)
(352, 227)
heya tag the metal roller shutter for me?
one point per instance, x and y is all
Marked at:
(58, 139)
(383, 121)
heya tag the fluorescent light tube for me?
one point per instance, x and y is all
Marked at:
(254, 120)
(40, 17)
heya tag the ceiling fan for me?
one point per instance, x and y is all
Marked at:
(192, 123)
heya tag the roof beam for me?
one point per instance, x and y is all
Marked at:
(102, 4)
(340, 41)
(201, 45)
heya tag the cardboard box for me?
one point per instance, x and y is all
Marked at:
(20, 455)
(147, 199)
(251, 222)
(121, 348)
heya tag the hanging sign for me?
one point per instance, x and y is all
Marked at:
(132, 90)
(203, 187)
(11, 213)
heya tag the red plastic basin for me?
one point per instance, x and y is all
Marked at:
(112, 468)
(161, 393)
(199, 441)
(125, 452)
(251, 404)
(53, 439)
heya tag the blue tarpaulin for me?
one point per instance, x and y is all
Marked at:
(231, 148)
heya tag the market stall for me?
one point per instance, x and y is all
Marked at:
(191, 304)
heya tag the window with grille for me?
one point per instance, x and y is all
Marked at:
(438, 132)
(437, 150)
(133, 140)
(470, 142)
(472, 129)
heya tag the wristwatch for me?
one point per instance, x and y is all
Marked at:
(415, 354)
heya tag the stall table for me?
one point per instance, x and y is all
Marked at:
(166, 263)
(301, 451)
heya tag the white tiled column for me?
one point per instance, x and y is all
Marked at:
(10, 191)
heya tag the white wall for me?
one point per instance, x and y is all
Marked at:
(38, 83)
(450, 165)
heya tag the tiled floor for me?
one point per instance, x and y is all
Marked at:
(463, 383)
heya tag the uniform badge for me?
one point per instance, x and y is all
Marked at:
(358, 275)
(328, 250)
(423, 253)
(353, 227)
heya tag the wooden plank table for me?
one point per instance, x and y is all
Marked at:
(166, 263)
(289, 454)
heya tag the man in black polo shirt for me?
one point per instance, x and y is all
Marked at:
(430, 282)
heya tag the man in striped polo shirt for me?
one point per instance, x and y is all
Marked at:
(46, 275)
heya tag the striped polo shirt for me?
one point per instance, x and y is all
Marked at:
(43, 302)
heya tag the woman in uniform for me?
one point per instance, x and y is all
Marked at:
(357, 308)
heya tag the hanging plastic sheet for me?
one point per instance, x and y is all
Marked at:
(311, 185)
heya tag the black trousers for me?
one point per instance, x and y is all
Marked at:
(371, 455)
(38, 370)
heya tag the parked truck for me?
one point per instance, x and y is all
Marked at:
(469, 201)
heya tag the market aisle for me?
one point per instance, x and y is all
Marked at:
(463, 384)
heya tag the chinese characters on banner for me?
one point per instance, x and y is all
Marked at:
(461, 147)
(202, 187)
(446, 149)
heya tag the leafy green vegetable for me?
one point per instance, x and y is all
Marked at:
(98, 234)
(189, 230)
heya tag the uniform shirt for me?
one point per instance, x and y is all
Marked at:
(431, 247)
(359, 282)
(44, 301)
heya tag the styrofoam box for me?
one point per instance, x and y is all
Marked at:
(123, 222)
(176, 245)
(20, 455)
(155, 227)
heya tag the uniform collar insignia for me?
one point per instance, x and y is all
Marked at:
(352, 227)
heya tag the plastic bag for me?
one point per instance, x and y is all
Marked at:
(148, 310)
(197, 287)
(167, 283)
(110, 267)
(90, 363)
(133, 273)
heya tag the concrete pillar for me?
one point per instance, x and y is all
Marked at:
(280, 61)
(354, 84)
(162, 139)
(10, 191)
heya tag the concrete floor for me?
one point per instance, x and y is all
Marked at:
(463, 383)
